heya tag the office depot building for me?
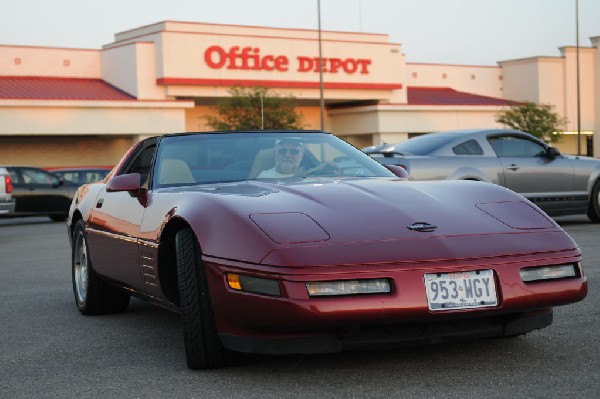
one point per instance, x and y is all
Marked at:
(77, 107)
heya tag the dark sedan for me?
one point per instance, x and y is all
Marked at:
(82, 175)
(38, 192)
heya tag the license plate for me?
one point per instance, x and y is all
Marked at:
(461, 290)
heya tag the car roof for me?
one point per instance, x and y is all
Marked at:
(479, 131)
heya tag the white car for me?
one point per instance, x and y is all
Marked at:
(7, 203)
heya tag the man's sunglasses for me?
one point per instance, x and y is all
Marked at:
(292, 151)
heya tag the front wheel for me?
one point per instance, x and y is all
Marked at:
(203, 348)
(594, 207)
(93, 296)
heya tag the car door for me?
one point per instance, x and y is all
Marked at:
(115, 220)
(528, 170)
(38, 191)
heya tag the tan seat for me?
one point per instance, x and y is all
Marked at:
(175, 171)
(264, 159)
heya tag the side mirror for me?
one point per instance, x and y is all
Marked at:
(57, 181)
(398, 171)
(552, 152)
(127, 182)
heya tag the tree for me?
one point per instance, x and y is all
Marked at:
(255, 109)
(537, 119)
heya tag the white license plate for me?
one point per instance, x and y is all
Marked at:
(461, 290)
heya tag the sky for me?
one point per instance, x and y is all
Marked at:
(467, 32)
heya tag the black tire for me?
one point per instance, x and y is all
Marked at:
(203, 349)
(93, 296)
(594, 207)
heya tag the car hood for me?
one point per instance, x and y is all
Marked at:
(377, 220)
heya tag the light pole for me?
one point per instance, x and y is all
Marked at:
(321, 98)
(578, 88)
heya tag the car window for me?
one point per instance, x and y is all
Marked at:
(37, 176)
(509, 146)
(141, 163)
(470, 147)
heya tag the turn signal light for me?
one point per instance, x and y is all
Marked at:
(255, 285)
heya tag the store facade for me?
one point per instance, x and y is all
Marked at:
(77, 107)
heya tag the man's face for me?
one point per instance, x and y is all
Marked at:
(287, 158)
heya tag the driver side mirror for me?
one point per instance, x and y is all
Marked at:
(552, 152)
(126, 182)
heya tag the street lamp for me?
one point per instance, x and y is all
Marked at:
(577, 73)
(321, 98)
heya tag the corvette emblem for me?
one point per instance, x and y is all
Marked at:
(422, 226)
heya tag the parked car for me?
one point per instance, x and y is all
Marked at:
(82, 175)
(559, 184)
(38, 192)
(7, 203)
(342, 254)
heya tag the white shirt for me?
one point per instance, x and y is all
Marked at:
(273, 174)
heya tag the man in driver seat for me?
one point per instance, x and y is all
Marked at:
(288, 155)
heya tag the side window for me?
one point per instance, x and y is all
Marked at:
(470, 147)
(141, 163)
(516, 147)
(36, 176)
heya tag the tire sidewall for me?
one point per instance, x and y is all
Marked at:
(594, 207)
(79, 233)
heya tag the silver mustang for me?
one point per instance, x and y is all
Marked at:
(559, 184)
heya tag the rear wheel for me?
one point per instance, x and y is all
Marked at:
(92, 295)
(203, 348)
(594, 207)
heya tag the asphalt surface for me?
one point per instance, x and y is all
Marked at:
(49, 350)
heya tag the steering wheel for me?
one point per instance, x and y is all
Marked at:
(324, 169)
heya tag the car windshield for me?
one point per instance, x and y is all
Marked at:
(227, 157)
(423, 145)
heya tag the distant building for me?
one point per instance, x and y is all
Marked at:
(76, 107)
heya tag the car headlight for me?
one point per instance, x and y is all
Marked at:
(256, 285)
(348, 287)
(531, 274)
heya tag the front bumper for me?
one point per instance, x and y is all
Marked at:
(393, 336)
(297, 323)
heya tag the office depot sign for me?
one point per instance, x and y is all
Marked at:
(251, 58)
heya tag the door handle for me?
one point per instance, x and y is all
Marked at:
(512, 167)
(99, 203)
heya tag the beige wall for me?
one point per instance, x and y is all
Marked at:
(49, 61)
(28, 117)
(482, 80)
(553, 80)
(63, 151)
(397, 119)
(132, 68)
(182, 47)
(586, 87)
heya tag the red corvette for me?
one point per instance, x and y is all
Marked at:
(296, 242)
